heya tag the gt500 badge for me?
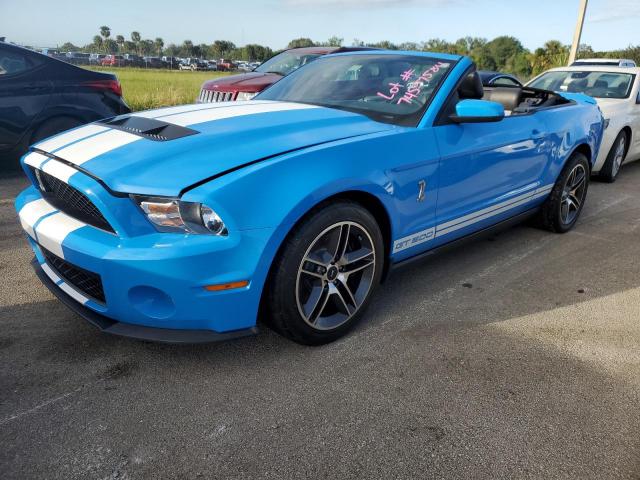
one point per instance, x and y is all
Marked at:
(413, 240)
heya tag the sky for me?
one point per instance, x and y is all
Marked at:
(610, 24)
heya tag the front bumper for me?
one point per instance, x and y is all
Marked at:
(153, 283)
(161, 335)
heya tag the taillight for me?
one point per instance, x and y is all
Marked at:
(112, 85)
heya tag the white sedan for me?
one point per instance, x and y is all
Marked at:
(616, 89)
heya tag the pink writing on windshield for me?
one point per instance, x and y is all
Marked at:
(412, 86)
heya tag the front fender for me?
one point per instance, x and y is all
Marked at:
(277, 192)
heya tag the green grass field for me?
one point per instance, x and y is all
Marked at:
(152, 88)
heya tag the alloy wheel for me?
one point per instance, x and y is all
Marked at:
(618, 156)
(573, 194)
(335, 275)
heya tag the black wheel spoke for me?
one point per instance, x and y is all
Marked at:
(343, 241)
(573, 194)
(342, 303)
(357, 260)
(319, 304)
(578, 180)
(345, 293)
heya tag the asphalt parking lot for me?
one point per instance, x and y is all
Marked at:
(514, 357)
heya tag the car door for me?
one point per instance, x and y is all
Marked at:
(23, 94)
(487, 170)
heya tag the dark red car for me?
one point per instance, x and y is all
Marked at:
(247, 85)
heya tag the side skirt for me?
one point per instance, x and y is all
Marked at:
(472, 237)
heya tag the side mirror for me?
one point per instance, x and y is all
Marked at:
(477, 111)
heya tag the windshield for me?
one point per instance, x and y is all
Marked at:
(594, 84)
(387, 88)
(286, 62)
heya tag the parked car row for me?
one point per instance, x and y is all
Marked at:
(133, 60)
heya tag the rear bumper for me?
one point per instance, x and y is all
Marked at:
(140, 332)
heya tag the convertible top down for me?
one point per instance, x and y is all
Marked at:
(188, 223)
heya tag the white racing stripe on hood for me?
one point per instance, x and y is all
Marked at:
(85, 150)
(33, 211)
(59, 170)
(80, 152)
(66, 138)
(232, 110)
(35, 159)
(163, 112)
(52, 231)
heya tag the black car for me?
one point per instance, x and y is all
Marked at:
(498, 79)
(41, 96)
(154, 62)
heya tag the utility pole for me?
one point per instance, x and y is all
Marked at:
(578, 33)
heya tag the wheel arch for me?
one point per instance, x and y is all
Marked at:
(584, 149)
(365, 199)
(629, 132)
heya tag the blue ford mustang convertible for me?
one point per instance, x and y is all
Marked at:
(186, 224)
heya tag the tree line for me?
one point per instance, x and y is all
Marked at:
(503, 53)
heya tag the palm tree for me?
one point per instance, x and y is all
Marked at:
(105, 32)
(135, 38)
(97, 42)
(120, 42)
(159, 43)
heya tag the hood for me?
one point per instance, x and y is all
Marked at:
(184, 145)
(247, 82)
(578, 97)
(611, 104)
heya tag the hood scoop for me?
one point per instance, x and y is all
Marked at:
(149, 128)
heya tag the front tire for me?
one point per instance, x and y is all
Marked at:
(325, 274)
(615, 158)
(563, 207)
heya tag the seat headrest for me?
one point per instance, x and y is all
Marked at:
(471, 87)
(509, 97)
(601, 84)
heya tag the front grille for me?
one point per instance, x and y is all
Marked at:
(211, 96)
(87, 282)
(71, 201)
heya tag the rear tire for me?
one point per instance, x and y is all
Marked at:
(615, 158)
(563, 207)
(325, 274)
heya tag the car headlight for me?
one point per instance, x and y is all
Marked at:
(175, 215)
(246, 95)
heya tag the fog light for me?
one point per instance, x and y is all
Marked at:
(151, 302)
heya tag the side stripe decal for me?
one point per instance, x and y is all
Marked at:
(467, 220)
